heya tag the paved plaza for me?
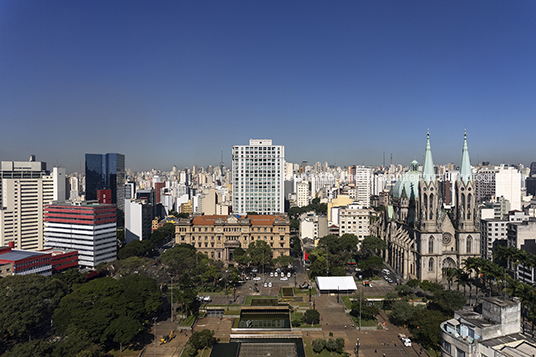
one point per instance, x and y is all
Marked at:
(373, 343)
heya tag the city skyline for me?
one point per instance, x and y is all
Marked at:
(175, 83)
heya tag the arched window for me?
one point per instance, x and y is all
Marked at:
(469, 206)
(431, 245)
(425, 205)
(431, 209)
(469, 244)
(431, 264)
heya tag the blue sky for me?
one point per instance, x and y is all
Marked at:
(175, 82)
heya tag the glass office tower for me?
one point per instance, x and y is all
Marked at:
(106, 172)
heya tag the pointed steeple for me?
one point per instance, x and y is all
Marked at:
(428, 172)
(465, 168)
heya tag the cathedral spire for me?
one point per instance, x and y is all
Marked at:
(465, 167)
(428, 172)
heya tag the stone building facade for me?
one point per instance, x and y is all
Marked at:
(218, 236)
(422, 236)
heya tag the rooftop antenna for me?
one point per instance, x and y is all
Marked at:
(383, 158)
(391, 158)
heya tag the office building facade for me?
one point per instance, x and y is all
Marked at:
(25, 187)
(258, 177)
(106, 172)
(89, 228)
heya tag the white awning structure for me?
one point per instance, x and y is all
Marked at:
(335, 283)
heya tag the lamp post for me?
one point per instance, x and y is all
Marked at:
(310, 288)
(360, 309)
(154, 333)
(171, 287)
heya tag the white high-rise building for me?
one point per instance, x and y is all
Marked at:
(25, 188)
(363, 185)
(302, 193)
(258, 177)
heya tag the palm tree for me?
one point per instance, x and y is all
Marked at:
(449, 274)
(471, 266)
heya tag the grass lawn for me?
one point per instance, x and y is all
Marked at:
(307, 347)
(188, 321)
(298, 291)
(347, 302)
(249, 298)
(326, 353)
(232, 312)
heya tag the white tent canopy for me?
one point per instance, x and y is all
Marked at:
(335, 283)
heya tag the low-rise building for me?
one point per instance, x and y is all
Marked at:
(494, 332)
(218, 236)
(23, 262)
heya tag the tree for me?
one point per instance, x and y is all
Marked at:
(449, 300)
(318, 345)
(373, 245)
(255, 251)
(427, 327)
(372, 264)
(331, 345)
(403, 312)
(318, 267)
(283, 260)
(27, 304)
(107, 309)
(137, 248)
(202, 339)
(450, 274)
(340, 345)
(311, 316)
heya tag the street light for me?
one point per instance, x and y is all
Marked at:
(310, 288)
(171, 287)
(154, 333)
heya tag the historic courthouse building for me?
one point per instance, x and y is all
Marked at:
(218, 236)
(422, 236)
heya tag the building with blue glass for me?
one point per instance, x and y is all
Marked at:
(106, 172)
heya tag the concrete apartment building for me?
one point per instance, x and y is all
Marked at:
(218, 236)
(25, 188)
(88, 227)
(302, 194)
(354, 219)
(258, 177)
(493, 233)
(313, 226)
(494, 332)
(138, 219)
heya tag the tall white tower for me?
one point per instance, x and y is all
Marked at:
(258, 177)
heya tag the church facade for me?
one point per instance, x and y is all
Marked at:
(423, 237)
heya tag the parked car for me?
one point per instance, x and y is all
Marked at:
(257, 278)
(265, 285)
(284, 278)
(288, 275)
(270, 284)
(271, 274)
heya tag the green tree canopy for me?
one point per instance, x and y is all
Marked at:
(255, 251)
(27, 303)
(311, 316)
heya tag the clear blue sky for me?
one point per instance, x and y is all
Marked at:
(175, 82)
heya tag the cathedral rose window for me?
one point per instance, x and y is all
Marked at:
(447, 238)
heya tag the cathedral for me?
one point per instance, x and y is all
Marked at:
(423, 236)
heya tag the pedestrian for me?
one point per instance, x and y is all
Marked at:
(384, 355)
(375, 351)
(345, 327)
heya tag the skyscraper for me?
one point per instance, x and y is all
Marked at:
(25, 187)
(106, 172)
(258, 178)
